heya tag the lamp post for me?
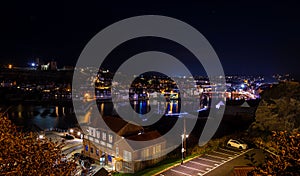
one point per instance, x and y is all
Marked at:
(183, 141)
(182, 149)
(183, 146)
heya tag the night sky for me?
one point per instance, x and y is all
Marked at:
(249, 38)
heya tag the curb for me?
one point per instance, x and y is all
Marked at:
(184, 161)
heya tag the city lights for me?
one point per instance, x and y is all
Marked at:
(169, 89)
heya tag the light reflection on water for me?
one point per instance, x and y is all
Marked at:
(63, 117)
(43, 117)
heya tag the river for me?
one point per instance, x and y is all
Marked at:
(40, 117)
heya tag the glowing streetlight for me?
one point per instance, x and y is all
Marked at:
(41, 136)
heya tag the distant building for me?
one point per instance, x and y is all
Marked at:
(45, 67)
(52, 65)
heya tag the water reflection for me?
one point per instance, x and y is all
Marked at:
(42, 117)
(160, 107)
(45, 117)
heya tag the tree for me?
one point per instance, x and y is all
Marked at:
(285, 161)
(26, 154)
(279, 109)
(276, 127)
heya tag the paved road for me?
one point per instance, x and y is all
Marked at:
(207, 163)
(71, 146)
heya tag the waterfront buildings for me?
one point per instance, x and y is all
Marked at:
(110, 147)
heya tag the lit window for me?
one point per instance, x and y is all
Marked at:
(86, 148)
(98, 134)
(126, 155)
(146, 153)
(117, 151)
(104, 136)
(158, 149)
(110, 138)
(154, 150)
(97, 152)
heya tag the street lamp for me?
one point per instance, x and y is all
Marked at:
(183, 140)
(41, 136)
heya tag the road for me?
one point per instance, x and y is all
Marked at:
(71, 147)
(219, 162)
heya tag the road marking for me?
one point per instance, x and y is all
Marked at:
(205, 159)
(210, 168)
(229, 151)
(200, 164)
(218, 157)
(180, 172)
(236, 156)
(192, 168)
(222, 153)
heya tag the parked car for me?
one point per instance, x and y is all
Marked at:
(68, 136)
(76, 132)
(237, 144)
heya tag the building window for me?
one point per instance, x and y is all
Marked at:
(97, 152)
(104, 136)
(146, 153)
(158, 149)
(117, 151)
(98, 134)
(92, 131)
(92, 150)
(110, 138)
(154, 150)
(127, 156)
(86, 148)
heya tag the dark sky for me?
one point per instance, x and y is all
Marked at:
(249, 38)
